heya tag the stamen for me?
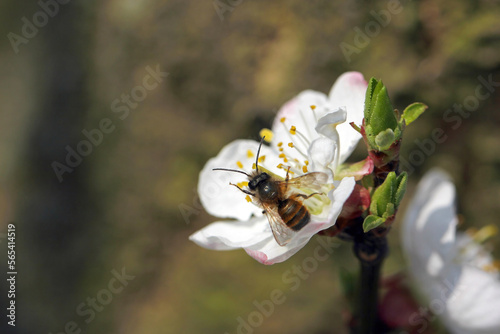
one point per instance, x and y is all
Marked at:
(280, 144)
(293, 130)
(306, 162)
(248, 198)
(280, 166)
(249, 154)
(254, 166)
(304, 169)
(239, 164)
(313, 109)
(266, 134)
(290, 144)
(282, 119)
(262, 158)
(242, 184)
(281, 149)
(484, 233)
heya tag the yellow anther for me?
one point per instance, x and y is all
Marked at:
(290, 144)
(239, 164)
(279, 166)
(306, 162)
(282, 155)
(242, 184)
(254, 166)
(313, 107)
(304, 169)
(281, 149)
(293, 130)
(266, 134)
(262, 158)
(285, 160)
(280, 144)
(248, 198)
(249, 154)
(282, 119)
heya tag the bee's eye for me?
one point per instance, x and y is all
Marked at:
(252, 184)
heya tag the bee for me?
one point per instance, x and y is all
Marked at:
(282, 199)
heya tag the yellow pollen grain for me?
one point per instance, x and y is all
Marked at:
(266, 134)
(293, 130)
(306, 162)
(239, 164)
(248, 198)
(304, 169)
(282, 119)
(262, 159)
(290, 144)
(249, 154)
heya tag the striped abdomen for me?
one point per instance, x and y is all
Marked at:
(293, 213)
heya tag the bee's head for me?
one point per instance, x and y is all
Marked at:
(257, 179)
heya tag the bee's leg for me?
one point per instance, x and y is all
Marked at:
(307, 196)
(287, 178)
(243, 190)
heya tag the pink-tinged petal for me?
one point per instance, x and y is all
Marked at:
(269, 252)
(348, 92)
(223, 200)
(227, 235)
(429, 226)
(358, 169)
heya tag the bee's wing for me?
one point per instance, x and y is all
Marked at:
(312, 181)
(282, 233)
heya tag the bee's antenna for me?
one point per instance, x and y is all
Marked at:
(232, 170)
(258, 152)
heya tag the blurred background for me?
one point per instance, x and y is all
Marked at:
(160, 87)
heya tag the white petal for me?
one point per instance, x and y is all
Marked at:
(429, 225)
(474, 303)
(226, 235)
(298, 113)
(269, 252)
(217, 196)
(349, 92)
(321, 154)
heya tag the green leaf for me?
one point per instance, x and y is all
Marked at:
(371, 222)
(385, 139)
(412, 112)
(400, 188)
(383, 195)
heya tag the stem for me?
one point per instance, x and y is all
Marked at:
(371, 249)
(368, 297)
